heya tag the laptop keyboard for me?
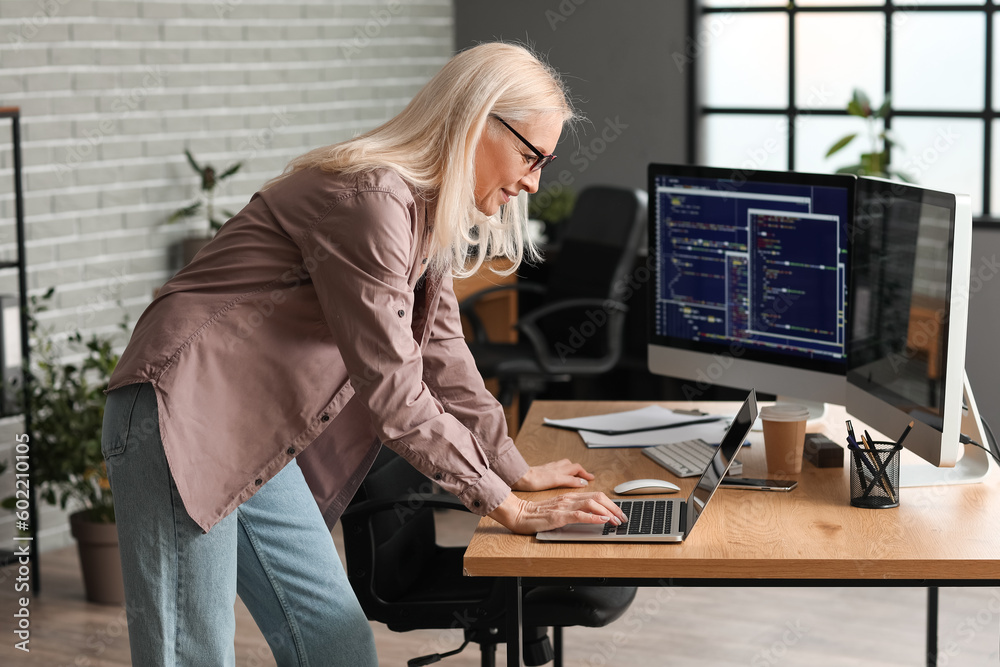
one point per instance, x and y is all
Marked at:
(687, 458)
(645, 517)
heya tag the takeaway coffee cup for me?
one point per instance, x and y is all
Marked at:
(784, 437)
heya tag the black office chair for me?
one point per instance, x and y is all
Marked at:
(404, 579)
(576, 328)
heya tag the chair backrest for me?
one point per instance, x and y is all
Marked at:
(403, 533)
(599, 243)
(598, 249)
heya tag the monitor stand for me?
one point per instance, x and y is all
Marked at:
(971, 468)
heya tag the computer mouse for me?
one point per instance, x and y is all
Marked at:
(636, 486)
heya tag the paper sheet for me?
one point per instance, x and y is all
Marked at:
(643, 418)
(711, 432)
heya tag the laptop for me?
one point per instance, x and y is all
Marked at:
(672, 519)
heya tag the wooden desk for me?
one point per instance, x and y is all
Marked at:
(811, 536)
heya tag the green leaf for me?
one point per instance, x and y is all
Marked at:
(873, 163)
(843, 141)
(883, 111)
(859, 105)
(185, 212)
(232, 170)
(190, 159)
(889, 137)
(852, 169)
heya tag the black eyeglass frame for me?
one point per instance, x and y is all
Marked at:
(541, 160)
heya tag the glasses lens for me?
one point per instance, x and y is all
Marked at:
(542, 162)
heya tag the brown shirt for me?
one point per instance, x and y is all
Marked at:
(307, 328)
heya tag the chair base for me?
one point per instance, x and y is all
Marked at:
(537, 649)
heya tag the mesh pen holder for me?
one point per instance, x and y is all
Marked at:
(875, 475)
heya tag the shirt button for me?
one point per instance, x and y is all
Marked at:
(290, 451)
(424, 261)
(259, 481)
(476, 503)
(401, 312)
(325, 418)
(438, 476)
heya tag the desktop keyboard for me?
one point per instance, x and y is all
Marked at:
(687, 458)
(645, 517)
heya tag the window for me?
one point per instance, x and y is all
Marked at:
(774, 78)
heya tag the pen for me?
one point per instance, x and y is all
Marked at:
(905, 432)
(612, 431)
(867, 461)
(859, 457)
(859, 460)
(884, 481)
(852, 439)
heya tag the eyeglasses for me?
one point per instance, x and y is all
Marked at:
(542, 158)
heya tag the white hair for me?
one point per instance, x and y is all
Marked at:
(432, 145)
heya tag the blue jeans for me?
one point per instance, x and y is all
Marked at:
(181, 584)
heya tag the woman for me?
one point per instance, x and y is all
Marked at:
(319, 324)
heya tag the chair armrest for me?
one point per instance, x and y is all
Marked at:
(548, 309)
(466, 307)
(616, 321)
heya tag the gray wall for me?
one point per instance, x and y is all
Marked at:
(112, 92)
(617, 59)
(983, 359)
(620, 61)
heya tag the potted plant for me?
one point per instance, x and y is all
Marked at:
(551, 207)
(210, 179)
(67, 412)
(876, 161)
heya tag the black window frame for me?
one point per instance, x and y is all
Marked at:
(697, 111)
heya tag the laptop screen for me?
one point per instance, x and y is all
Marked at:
(716, 469)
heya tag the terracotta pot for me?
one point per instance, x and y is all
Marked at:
(97, 544)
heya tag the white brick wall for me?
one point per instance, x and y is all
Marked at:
(111, 93)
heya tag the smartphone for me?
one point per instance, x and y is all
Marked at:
(758, 484)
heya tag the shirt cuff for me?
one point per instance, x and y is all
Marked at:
(485, 495)
(509, 465)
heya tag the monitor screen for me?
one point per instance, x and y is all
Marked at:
(751, 268)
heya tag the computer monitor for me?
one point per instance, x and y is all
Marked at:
(911, 253)
(750, 271)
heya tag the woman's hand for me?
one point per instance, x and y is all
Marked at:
(529, 517)
(552, 476)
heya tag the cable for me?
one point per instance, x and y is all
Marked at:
(435, 657)
(966, 440)
(991, 438)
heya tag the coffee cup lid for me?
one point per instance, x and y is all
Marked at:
(784, 412)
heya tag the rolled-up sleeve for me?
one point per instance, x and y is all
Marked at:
(362, 250)
(450, 371)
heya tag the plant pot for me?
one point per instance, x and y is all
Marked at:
(191, 246)
(97, 544)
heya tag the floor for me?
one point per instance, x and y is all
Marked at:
(760, 627)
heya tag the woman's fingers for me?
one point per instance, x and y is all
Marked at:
(581, 508)
(555, 474)
(528, 517)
